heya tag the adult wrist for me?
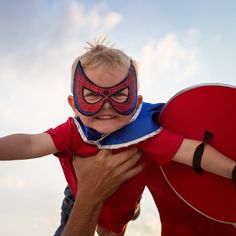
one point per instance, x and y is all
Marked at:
(89, 202)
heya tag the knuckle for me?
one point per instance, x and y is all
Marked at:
(108, 166)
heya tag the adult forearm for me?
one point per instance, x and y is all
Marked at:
(83, 218)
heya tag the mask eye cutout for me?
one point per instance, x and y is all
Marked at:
(91, 97)
(120, 96)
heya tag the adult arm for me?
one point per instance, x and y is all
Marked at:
(98, 176)
(26, 146)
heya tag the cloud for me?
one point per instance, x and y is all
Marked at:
(112, 20)
(31, 25)
(77, 21)
(39, 41)
(11, 183)
(169, 61)
(148, 224)
(36, 65)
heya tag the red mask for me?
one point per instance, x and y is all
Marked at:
(89, 98)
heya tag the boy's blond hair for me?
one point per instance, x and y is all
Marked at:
(99, 54)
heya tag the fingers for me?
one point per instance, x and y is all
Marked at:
(108, 170)
(124, 156)
(126, 165)
(132, 172)
(127, 168)
(121, 161)
(101, 155)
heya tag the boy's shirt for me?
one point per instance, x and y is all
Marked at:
(72, 137)
(177, 217)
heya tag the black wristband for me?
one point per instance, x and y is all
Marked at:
(234, 176)
(197, 157)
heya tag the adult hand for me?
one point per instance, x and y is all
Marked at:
(100, 175)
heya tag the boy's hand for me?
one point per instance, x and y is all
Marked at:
(100, 175)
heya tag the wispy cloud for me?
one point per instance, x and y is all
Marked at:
(169, 61)
(38, 70)
(11, 182)
(148, 224)
(38, 44)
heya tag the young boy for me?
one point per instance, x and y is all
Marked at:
(109, 114)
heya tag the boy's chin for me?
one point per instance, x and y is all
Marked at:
(107, 129)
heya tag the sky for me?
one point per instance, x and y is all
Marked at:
(177, 43)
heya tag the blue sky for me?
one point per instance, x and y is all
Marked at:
(177, 43)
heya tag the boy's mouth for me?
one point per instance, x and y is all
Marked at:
(105, 117)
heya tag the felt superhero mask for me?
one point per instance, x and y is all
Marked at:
(89, 98)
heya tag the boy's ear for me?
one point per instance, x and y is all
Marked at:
(71, 102)
(139, 101)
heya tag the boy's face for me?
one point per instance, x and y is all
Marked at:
(107, 119)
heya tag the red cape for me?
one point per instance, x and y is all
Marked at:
(189, 114)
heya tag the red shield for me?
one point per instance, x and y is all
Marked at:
(190, 113)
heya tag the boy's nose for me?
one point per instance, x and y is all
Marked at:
(107, 105)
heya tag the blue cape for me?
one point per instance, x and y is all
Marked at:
(143, 125)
